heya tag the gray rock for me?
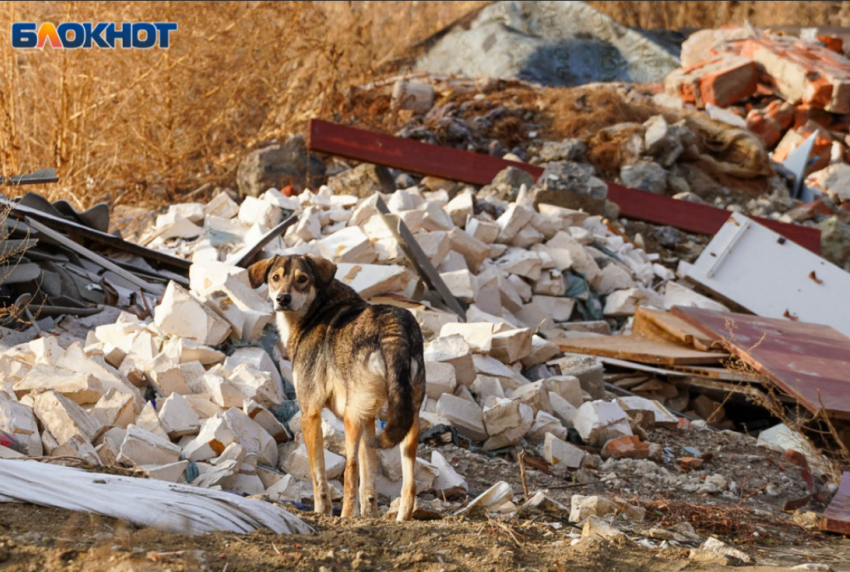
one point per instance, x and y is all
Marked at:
(690, 197)
(363, 181)
(835, 179)
(835, 242)
(571, 185)
(506, 184)
(566, 150)
(404, 181)
(278, 166)
(663, 141)
(648, 177)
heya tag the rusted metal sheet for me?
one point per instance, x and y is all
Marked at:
(809, 362)
(479, 169)
(836, 517)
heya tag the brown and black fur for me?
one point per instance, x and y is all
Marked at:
(352, 357)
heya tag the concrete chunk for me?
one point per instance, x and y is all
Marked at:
(63, 418)
(257, 385)
(298, 465)
(533, 394)
(81, 388)
(142, 447)
(440, 378)
(521, 262)
(541, 352)
(266, 419)
(512, 221)
(512, 345)
(178, 418)
(241, 307)
(454, 350)
(562, 409)
(465, 416)
(348, 245)
(148, 420)
(372, 279)
(171, 473)
(479, 335)
(18, 420)
(448, 484)
(115, 409)
(182, 315)
(482, 230)
(215, 435)
(252, 436)
(545, 423)
(462, 284)
(204, 276)
(598, 421)
(473, 250)
(562, 454)
(79, 447)
(461, 207)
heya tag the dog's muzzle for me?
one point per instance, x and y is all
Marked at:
(283, 301)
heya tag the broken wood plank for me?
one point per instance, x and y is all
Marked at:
(418, 258)
(21, 212)
(807, 361)
(96, 258)
(479, 169)
(836, 517)
(657, 324)
(635, 348)
(244, 260)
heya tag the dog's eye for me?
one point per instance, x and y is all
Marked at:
(302, 279)
(276, 277)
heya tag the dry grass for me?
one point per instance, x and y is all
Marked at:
(145, 126)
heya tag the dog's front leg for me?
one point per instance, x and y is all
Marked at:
(368, 472)
(353, 432)
(311, 427)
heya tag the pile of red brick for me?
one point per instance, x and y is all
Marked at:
(785, 88)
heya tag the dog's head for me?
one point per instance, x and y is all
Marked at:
(294, 281)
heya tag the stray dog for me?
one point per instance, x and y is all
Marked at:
(351, 357)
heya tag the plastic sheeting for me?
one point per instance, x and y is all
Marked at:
(165, 506)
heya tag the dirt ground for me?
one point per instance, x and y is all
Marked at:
(748, 515)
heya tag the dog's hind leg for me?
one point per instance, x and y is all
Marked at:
(311, 427)
(368, 472)
(409, 445)
(353, 433)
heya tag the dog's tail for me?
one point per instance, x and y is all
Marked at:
(403, 373)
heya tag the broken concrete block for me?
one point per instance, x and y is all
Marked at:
(348, 245)
(170, 473)
(436, 245)
(465, 416)
(589, 372)
(182, 315)
(298, 465)
(533, 394)
(241, 306)
(509, 378)
(546, 423)
(252, 436)
(372, 279)
(149, 421)
(461, 207)
(435, 218)
(166, 376)
(79, 447)
(528, 236)
(81, 388)
(257, 385)
(482, 230)
(551, 283)
(462, 284)
(568, 253)
(178, 418)
(661, 416)
(512, 345)
(511, 435)
(309, 225)
(479, 335)
(259, 359)
(215, 435)
(222, 476)
(142, 447)
(583, 507)
(474, 251)
(286, 489)
(567, 386)
(512, 221)
(454, 350)
(390, 463)
(491, 499)
(203, 277)
(63, 418)
(432, 321)
(599, 421)
(677, 295)
(266, 419)
(256, 211)
(221, 206)
(115, 409)
(503, 415)
(440, 378)
(541, 352)
(18, 420)
(487, 389)
(595, 527)
(562, 454)
(521, 262)
(448, 484)
(612, 277)
(220, 391)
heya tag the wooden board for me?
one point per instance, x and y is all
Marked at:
(810, 362)
(657, 324)
(479, 169)
(836, 517)
(636, 348)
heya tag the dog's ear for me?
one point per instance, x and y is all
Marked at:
(259, 271)
(323, 269)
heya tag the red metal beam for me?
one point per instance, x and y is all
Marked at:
(479, 169)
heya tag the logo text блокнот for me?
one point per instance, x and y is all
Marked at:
(86, 35)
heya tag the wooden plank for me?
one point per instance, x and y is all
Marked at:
(836, 517)
(810, 362)
(417, 257)
(673, 370)
(245, 259)
(479, 169)
(103, 238)
(651, 323)
(96, 258)
(635, 348)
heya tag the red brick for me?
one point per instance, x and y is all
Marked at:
(628, 447)
(720, 81)
(689, 463)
